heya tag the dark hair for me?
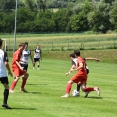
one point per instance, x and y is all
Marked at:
(26, 43)
(72, 55)
(1, 42)
(77, 52)
(21, 44)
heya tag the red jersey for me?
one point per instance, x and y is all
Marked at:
(82, 71)
(16, 57)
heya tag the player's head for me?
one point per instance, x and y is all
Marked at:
(26, 43)
(77, 53)
(38, 46)
(1, 42)
(22, 46)
(72, 56)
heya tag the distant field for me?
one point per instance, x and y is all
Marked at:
(47, 85)
(63, 42)
(59, 46)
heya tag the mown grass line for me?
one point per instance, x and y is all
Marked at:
(64, 41)
(46, 85)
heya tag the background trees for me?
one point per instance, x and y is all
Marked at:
(70, 15)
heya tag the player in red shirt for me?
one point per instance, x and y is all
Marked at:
(80, 77)
(74, 65)
(18, 70)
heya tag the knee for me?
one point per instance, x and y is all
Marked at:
(70, 82)
(26, 75)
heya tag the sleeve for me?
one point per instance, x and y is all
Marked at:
(6, 57)
(18, 56)
(73, 63)
(29, 52)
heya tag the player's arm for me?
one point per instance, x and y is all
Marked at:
(31, 57)
(7, 64)
(18, 64)
(96, 59)
(35, 52)
(72, 67)
(41, 55)
(77, 67)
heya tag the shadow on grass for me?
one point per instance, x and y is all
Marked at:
(34, 92)
(14, 108)
(36, 84)
(95, 97)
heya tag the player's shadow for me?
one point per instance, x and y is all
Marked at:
(24, 108)
(34, 92)
(95, 97)
(36, 84)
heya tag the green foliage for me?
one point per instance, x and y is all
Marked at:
(72, 16)
(7, 5)
(24, 20)
(43, 22)
(61, 19)
(113, 15)
(99, 18)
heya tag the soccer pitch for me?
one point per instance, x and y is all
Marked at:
(46, 86)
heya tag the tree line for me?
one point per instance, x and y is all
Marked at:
(91, 15)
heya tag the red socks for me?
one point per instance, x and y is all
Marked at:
(13, 85)
(88, 89)
(68, 88)
(23, 82)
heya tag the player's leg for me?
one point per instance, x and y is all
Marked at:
(78, 87)
(74, 79)
(5, 93)
(24, 80)
(34, 63)
(38, 66)
(68, 88)
(89, 89)
(14, 84)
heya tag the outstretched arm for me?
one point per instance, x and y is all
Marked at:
(72, 67)
(96, 59)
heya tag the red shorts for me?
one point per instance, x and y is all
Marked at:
(78, 78)
(18, 72)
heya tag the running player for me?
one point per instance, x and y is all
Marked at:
(37, 56)
(74, 65)
(81, 76)
(18, 69)
(3, 75)
(24, 58)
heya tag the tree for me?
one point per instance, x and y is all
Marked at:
(41, 5)
(25, 19)
(7, 5)
(113, 15)
(99, 18)
(61, 18)
(109, 1)
(79, 22)
(44, 22)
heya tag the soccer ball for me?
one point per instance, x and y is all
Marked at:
(75, 93)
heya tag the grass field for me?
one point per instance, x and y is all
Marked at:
(64, 41)
(45, 86)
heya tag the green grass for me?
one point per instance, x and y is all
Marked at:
(64, 41)
(45, 87)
